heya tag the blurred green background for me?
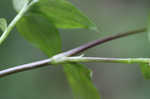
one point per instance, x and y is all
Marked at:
(114, 81)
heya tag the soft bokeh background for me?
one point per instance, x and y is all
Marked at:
(114, 81)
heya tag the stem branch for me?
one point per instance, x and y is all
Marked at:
(15, 21)
(58, 58)
(24, 67)
(104, 60)
(101, 41)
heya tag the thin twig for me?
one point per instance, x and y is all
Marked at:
(101, 41)
(16, 20)
(25, 67)
(75, 51)
(101, 59)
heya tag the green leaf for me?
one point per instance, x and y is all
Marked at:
(145, 70)
(63, 14)
(41, 32)
(3, 24)
(79, 78)
(39, 27)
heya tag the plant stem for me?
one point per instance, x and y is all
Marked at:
(78, 50)
(25, 67)
(104, 60)
(101, 41)
(46, 62)
(15, 20)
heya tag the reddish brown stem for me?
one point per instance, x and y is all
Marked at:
(75, 51)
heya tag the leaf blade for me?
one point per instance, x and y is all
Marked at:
(79, 78)
(41, 33)
(63, 14)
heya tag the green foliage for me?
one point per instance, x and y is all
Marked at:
(145, 70)
(3, 24)
(40, 32)
(63, 14)
(79, 78)
(39, 26)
